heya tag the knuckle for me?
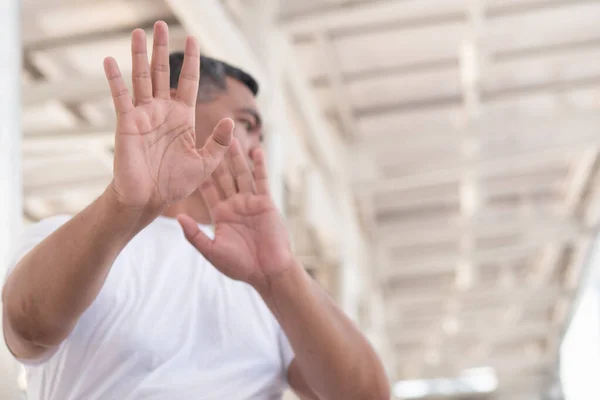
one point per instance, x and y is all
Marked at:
(162, 92)
(189, 77)
(161, 67)
(141, 75)
(121, 92)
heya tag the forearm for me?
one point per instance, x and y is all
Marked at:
(334, 357)
(57, 281)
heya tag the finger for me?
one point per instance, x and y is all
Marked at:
(195, 236)
(118, 89)
(224, 179)
(216, 146)
(210, 193)
(261, 178)
(142, 82)
(187, 88)
(160, 61)
(241, 171)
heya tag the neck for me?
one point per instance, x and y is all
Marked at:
(194, 206)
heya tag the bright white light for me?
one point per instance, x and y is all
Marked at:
(580, 351)
(412, 389)
(445, 386)
(482, 380)
(470, 381)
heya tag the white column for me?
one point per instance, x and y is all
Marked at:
(351, 282)
(258, 24)
(470, 65)
(10, 164)
(272, 47)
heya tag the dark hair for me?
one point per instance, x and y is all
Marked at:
(212, 76)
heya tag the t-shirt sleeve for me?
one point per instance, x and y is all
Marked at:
(286, 351)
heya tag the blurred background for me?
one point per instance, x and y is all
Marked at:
(437, 162)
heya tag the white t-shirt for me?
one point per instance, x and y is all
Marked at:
(165, 326)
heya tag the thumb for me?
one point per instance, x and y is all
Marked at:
(195, 236)
(216, 146)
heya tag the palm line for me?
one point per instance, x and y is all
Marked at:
(184, 128)
(235, 226)
(162, 158)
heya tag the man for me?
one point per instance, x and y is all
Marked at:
(115, 304)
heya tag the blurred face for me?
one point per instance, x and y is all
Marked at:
(237, 103)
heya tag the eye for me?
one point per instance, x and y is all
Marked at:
(247, 124)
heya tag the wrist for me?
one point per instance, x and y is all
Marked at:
(135, 218)
(286, 281)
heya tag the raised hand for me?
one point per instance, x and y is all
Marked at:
(156, 159)
(251, 242)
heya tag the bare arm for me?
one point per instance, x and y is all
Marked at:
(57, 281)
(157, 163)
(333, 359)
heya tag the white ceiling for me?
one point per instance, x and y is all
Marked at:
(399, 74)
(396, 80)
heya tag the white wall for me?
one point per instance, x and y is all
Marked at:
(580, 350)
(10, 175)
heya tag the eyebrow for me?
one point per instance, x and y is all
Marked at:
(254, 114)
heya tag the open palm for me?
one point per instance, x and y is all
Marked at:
(156, 159)
(251, 242)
